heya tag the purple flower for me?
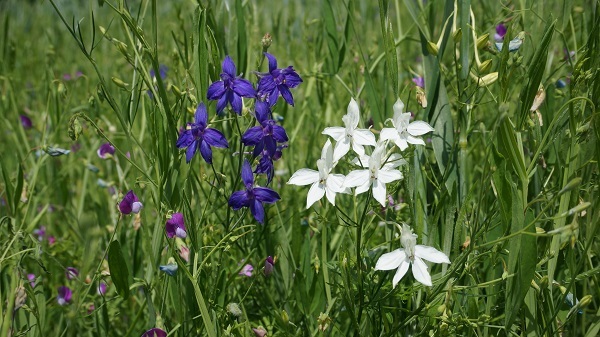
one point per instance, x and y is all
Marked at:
(155, 332)
(267, 134)
(269, 265)
(31, 279)
(198, 136)
(252, 197)
(246, 270)
(162, 71)
(101, 288)
(500, 32)
(265, 163)
(51, 240)
(130, 204)
(419, 82)
(40, 232)
(71, 273)
(64, 295)
(175, 226)
(230, 89)
(105, 150)
(26, 122)
(277, 81)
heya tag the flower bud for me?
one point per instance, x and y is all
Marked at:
(266, 41)
(234, 309)
(482, 41)
(571, 185)
(284, 317)
(432, 48)
(119, 82)
(485, 66)
(457, 35)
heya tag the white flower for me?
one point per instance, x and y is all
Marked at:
(350, 136)
(404, 132)
(412, 254)
(377, 174)
(323, 182)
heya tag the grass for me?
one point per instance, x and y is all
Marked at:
(509, 194)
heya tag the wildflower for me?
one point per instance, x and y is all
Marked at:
(31, 279)
(184, 253)
(40, 232)
(377, 175)
(72, 273)
(51, 240)
(500, 32)
(269, 265)
(410, 254)
(277, 81)
(175, 226)
(101, 290)
(105, 151)
(267, 134)
(404, 132)
(560, 84)
(162, 72)
(130, 204)
(230, 89)
(252, 197)
(265, 163)
(154, 332)
(419, 82)
(198, 136)
(259, 332)
(349, 136)
(246, 270)
(514, 44)
(64, 295)
(234, 309)
(26, 122)
(170, 268)
(324, 183)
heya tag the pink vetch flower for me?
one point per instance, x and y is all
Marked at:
(106, 151)
(259, 332)
(184, 253)
(269, 265)
(419, 82)
(31, 279)
(101, 290)
(246, 270)
(130, 204)
(71, 273)
(51, 240)
(154, 332)
(175, 226)
(40, 232)
(500, 32)
(26, 122)
(64, 295)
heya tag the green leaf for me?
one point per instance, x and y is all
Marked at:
(510, 148)
(242, 40)
(18, 188)
(118, 269)
(391, 58)
(331, 36)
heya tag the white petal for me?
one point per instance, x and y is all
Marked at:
(391, 260)
(398, 106)
(304, 177)
(336, 132)
(363, 188)
(388, 134)
(341, 148)
(316, 192)
(330, 194)
(394, 161)
(419, 128)
(387, 176)
(379, 192)
(420, 272)
(414, 140)
(336, 182)
(358, 149)
(354, 113)
(431, 254)
(356, 178)
(364, 161)
(327, 153)
(401, 143)
(364, 137)
(400, 272)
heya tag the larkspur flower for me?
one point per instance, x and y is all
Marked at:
(266, 162)
(130, 204)
(26, 122)
(230, 89)
(410, 254)
(199, 137)
(500, 32)
(267, 134)
(376, 175)
(154, 332)
(175, 226)
(404, 132)
(105, 151)
(162, 71)
(252, 197)
(246, 270)
(64, 295)
(71, 273)
(277, 81)
(349, 135)
(324, 183)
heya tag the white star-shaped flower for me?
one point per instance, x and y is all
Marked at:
(323, 181)
(411, 254)
(350, 136)
(376, 175)
(403, 131)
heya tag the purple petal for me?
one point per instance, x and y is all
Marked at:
(243, 88)
(236, 102)
(172, 224)
(273, 96)
(258, 211)
(155, 332)
(71, 273)
(64, 295)
(206, 152)
(279, 134)
(201, 115)
(186, 138)
(262, 111)
(229, 66)
(270, 145)
(265, 85)
(252, 136)
(266, 195)
(272, 62)
(105, 149)
(501, 30)
(221, 104)
(26, 122)
(238, 199)
(215, 138)
(247, 176)
(191, 150)
(125, 206)
(216, 90)
(292, 79)
(286, 94)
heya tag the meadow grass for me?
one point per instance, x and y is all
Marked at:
(506, 185)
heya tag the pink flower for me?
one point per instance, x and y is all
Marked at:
(246, 270)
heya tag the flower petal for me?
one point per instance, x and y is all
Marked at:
(401, 143)
(388, 134)
(387, 177)
(253, 136)
(335, 132)
(379, 192)
(304, 177)
(185, 139)
(279, 134)
(364, 137)
(191, 150)
(400, 272)
(272, 62)
(265, 195)
(201, 116)
(353, 113)
(221, 104)
(229, 66)
(391, 260)
(356, 178)
(258, 211)
(243, 88)
(431, 254)
(247, 176)
(206, 152)
(414, 140)
(238, 199)
(315, 193)
(286, 94)
(236, 102)
(336, 183)
(419, 128)
(215, 138)
(216, 90)
(341, 148)
(420, 272)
